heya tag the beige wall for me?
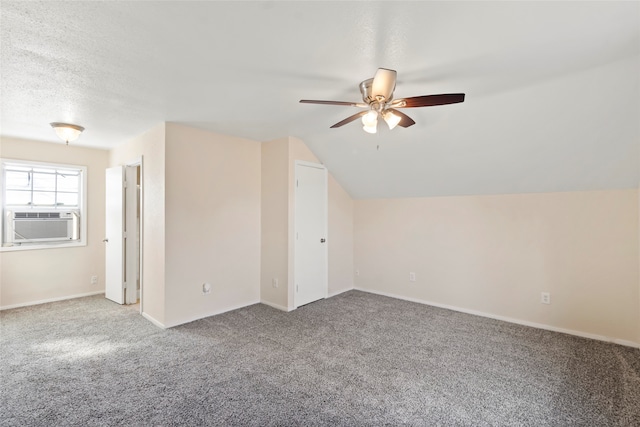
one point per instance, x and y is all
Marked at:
(340, 239)
(151, 147)
(339, 205)
(216, 209)
(219, 209)
(30, 276)
(496, 254)
(275, 223)
(212, 223)
(201, 221)
(278, 181)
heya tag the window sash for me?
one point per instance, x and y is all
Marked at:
(41, 187)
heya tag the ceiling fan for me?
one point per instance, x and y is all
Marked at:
(377, 94)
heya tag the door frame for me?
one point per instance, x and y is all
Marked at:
(140, 163)
(295, 225)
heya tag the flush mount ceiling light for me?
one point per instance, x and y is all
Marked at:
(377, 94)
(66, 131)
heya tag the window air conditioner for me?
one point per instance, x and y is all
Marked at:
(41, 226)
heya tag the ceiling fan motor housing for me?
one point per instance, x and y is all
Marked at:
(365, 89)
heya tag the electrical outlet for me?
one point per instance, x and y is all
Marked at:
(412, 276)
(274, 282)
(94, 280)
(545, 298)
(206, 288)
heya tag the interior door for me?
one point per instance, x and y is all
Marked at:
(114, 235)
(310, 255)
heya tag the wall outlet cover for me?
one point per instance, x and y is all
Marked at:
(545, 298)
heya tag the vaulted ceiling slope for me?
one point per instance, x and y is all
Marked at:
(552, 88)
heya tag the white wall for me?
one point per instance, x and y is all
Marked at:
(212, 235)
(496, 254)
(30, 276)
(151, 147)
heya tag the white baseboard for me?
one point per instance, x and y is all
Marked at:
(44, 301)
(341, 291)
(214, 313)
(154, 321)
(287, 309)
(507, 319)
(276, 306)
(625, 343)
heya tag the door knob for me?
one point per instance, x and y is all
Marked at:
(105, 240)
(322, 240)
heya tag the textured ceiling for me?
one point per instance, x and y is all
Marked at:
(553, 92)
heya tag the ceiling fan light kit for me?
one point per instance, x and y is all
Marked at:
(370, 121)
(377, 94)
(391, 119)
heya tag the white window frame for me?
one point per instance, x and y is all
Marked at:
(82, 206)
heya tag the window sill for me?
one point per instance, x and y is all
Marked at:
(42, 246)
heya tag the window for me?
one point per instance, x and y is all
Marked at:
(43, 205)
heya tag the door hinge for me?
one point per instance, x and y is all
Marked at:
(124, 184)
(124, 234)
(297, 288)
(296, 182)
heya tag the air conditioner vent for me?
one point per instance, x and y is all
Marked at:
(25, 227)
(38, 215)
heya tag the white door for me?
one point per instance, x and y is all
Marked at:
(310, 254)
(121, 254)
(114, 238)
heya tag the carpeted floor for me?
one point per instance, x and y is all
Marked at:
(355, 359)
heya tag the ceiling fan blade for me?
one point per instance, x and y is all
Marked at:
(349, 104)
(428, 100)
(384, 83)
(349, 119)
(405, 121)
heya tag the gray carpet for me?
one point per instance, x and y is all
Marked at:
(355, 359)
